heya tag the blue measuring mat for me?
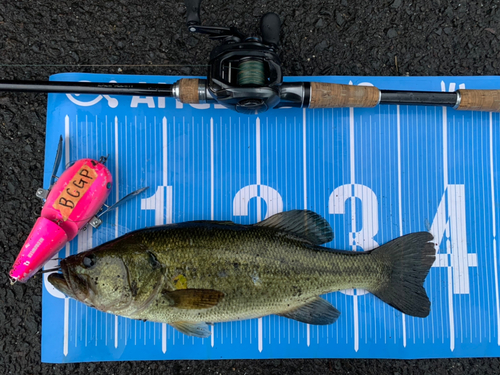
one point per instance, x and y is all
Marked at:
(374, 174)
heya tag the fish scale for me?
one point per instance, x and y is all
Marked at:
(204, 271)
(269, 273)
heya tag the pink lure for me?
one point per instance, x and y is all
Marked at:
(74, 199)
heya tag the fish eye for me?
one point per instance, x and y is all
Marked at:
(89, 260)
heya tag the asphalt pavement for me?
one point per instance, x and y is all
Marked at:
(318, 37)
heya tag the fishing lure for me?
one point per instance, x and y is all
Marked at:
(71, 203)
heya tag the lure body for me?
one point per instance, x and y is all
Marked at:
(73, 200)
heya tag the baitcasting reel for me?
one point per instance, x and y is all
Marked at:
(245, 72)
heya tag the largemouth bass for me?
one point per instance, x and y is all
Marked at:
(199, 272)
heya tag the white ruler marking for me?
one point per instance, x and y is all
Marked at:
(259, 214)
(353, 221)
(494, 220)
(400, 200)
(66, 298)
(304, 163)
(212, 198)
(117, 209)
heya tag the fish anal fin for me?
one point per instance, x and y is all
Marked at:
(301, 223)
(193, 298)
(197, 329)
(316, 311)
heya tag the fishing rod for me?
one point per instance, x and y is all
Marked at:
(245, 75)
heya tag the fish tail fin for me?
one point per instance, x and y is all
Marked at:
(409, 259)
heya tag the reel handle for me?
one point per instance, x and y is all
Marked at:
(270, 28)
(193, 12)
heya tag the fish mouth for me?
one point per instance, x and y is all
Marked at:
(59, 281)
(70, 283)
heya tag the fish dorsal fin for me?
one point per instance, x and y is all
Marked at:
(302, 223)
(317, 312)
(192, 298)
(197, 329)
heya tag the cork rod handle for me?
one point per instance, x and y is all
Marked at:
(332, 95)
(479, 100)
(188, 91)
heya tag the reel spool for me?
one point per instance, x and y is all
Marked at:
(251, 73)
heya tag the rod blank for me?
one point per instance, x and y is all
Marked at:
(313, 94)
(140, 89)
(448, 99)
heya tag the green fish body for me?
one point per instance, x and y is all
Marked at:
(200, 272)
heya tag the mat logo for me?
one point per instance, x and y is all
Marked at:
(180, 105)
(91, 100)
(160, 102)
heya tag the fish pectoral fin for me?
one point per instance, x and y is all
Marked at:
(317, 312)
(305, 224)
(197, 329)
(192, 298)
